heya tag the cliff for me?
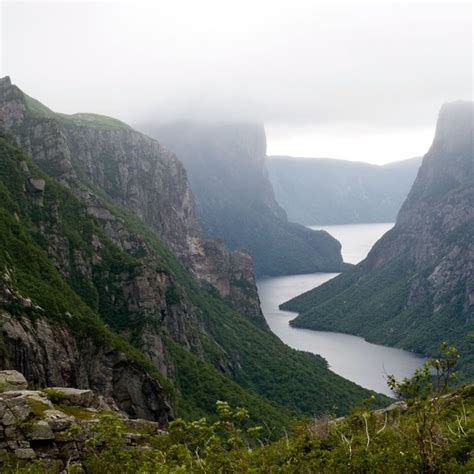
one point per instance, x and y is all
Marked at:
(226, 164)
(321, 191)
(107, 303)
(415, 289)
(92, 154)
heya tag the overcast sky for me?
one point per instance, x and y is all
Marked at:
(354, 80)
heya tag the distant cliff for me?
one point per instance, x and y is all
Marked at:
(416, 287)
(226, 164)
(318, 191)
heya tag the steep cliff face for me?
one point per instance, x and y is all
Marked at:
(416, 287)
(61, 343)
(318, 191)
(226, 164)
(87, 152)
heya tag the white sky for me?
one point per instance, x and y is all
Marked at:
(354, 80)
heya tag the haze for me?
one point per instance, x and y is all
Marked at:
(359, 80)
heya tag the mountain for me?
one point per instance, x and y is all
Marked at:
(226, 165)
(415, 289)
(321, 191)
(143, 177)
(99, 290)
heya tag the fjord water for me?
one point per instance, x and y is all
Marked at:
(350, 356)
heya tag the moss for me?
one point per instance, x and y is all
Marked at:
(79, 413)
(54, 395)
(37, 407)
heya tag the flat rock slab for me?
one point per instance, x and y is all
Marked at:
(74, 396)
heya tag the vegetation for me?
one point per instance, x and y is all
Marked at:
(374, 304)
(254, 368)
(431, 430)
(38, 110)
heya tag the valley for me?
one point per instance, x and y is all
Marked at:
(350, 356)
(236, 237)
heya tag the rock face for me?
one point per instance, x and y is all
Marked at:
(320, 191)
(416, 287)
(87, 152)
(48, 354)
(226, 164)
(33, 428)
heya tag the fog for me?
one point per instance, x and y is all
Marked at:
(354, 80)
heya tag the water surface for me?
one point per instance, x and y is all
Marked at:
(350, 356)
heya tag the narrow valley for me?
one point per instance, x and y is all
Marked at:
(350, 356)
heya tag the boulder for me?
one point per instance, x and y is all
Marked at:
(12, 380)
(39, 430)
(38, 185)
(25, 453)
(74, 396)
(20, 409)
(57, 420)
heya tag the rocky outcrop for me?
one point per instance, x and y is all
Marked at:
(226, 164)
(48, 354)
(87, 153)
(415, 288)
(52, 425)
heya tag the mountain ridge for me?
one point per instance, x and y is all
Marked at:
(326, 191)
(415, 288)
(227, 169)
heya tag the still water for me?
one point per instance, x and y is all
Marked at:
(350, 356)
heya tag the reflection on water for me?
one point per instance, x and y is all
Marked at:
(350, 356)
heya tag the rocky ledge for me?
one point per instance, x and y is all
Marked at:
(55, 425)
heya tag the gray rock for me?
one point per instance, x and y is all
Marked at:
(35, 394)
(57, 420)
(12, 380)
(17, 405)
(8, 418)
(25, 453)
(13, 433)
(17, 444)
(38, 185)
(76, 396)
(39, 430)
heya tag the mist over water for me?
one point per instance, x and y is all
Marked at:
(350, 356)
(356, 239)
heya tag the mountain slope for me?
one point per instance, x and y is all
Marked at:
(226, 164)
(416, 287)
(92, 154)
(112, 267)
(318, 191)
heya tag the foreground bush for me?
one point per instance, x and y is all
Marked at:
(430, 430)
